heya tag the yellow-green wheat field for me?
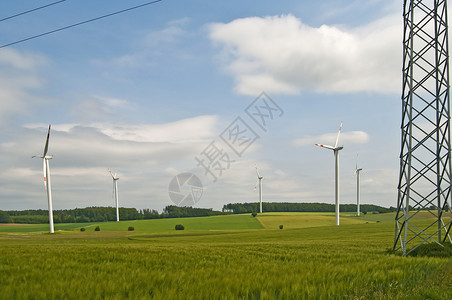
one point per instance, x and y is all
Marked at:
(220, 257)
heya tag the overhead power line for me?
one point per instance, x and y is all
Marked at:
(31, 10)
(80, 23)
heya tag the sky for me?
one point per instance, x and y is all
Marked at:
(173, 88)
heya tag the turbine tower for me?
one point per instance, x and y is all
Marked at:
(47, 185)
(259, 177)
(357, 170)
(115, 193)
(336, 150)
(424, 188)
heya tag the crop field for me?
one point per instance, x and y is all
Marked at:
(220, 257)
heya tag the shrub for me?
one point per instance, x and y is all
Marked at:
(179, 227)
(82, 229)
(97, 228)
(281, 226)
(254, 214)
(130, 228)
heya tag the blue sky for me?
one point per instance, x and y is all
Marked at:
(145, 92)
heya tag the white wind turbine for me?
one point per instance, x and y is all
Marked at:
(259, 177)
(357, 170)
(115, 193)
(336, 150)
(47, 186)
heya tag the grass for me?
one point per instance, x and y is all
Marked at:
(35, 228)
(226, 222)
(303, 220)
(220, 258)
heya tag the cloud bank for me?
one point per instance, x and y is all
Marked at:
(351, 137)
(281, 54)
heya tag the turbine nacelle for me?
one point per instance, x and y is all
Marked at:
(258, 175)
(113, 176)
(43, 157)
(357, 170)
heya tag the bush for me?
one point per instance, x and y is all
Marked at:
(82, 229)
(254, 214)
(97, 228)
(281, 226)
(130, 228)
(179, 227)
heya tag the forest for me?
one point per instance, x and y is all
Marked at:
(100, 214)
(104, 214)
(242, 208)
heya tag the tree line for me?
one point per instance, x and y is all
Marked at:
(104, 214)
(242, 208)
(100, 214)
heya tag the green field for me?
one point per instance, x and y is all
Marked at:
(221, 257)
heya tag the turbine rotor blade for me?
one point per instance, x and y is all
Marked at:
(338, 134)
(47, 143)
(257, 172)
(326, 146)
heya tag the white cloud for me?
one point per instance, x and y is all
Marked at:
(186, 130)
(170, 34)
(145, 157)
(18, 60)
(154, 44)
(350, 137)
(18, 75)
(192, 129)
(280, 54)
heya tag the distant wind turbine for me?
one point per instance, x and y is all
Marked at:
(47, 185)
(259, 178)
(336, 150)
(115, 193)
(357, 170)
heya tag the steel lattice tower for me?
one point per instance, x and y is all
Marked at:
(425, 168)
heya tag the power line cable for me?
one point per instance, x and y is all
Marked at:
(80, 23)
(31, 10)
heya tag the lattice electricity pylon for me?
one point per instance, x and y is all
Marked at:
(424, 190)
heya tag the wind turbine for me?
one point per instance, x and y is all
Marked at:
(115, 193)
(336, 150)
(47, 185)
(357, 170)
(259, 177)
